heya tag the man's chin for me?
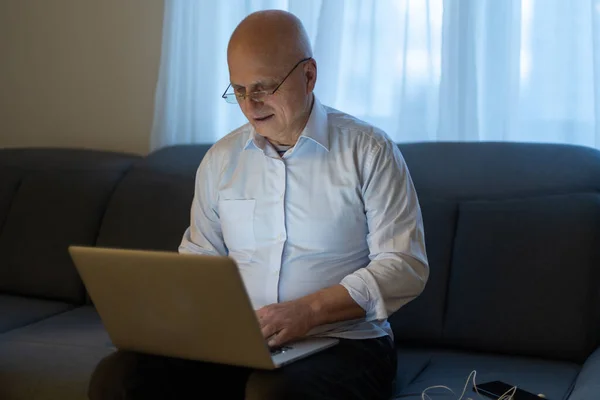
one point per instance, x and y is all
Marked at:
(265, 131)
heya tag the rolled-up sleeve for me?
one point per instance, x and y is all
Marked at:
(204, 236)
(398, 269)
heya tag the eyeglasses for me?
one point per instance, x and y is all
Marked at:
(257, 96)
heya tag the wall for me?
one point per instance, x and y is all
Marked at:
(79, 73)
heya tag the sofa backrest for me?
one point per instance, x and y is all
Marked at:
(49, 199)
(512, 233)
(513, 237)
(150, 209)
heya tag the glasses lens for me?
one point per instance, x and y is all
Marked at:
(230, 98)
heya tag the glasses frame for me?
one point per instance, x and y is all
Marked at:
(261, 94)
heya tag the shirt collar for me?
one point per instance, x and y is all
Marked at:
(255, 140)
(316, 129)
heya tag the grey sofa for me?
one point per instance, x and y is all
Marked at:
(512, 232)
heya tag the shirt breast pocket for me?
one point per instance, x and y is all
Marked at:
(237, 225)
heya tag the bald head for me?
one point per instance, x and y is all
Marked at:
(274, 36)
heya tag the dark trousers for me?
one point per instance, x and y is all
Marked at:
(353, 369)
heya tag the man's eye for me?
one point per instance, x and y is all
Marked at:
(240, 91)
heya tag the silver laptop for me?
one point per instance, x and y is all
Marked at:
(181, 305)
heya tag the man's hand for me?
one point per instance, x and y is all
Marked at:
(284, 322)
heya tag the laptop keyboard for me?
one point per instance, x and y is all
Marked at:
(279, 350)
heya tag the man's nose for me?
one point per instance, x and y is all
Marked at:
(252, 103)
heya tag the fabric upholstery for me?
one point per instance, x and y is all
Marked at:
(51, 211)
(421, 321)
(452, 368)
(525, 276)
(18, 311)
(494, 170)
(9, 182)
(60, 200)
(587, 385)
(175, 160)
(81, 327)
(40, 371)
(151, 208)
(53, 358)
(149, 211)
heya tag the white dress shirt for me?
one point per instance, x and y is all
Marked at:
(339, 207)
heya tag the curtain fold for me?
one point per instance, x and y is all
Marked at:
(422, 70)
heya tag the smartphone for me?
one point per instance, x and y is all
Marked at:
(496, 389)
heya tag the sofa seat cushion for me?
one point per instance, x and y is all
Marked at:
(17, 311)
(419, 369)
(53, 358)
(587, 385)
(80, 327)
(41, 371)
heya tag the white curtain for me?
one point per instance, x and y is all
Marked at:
(422, 70)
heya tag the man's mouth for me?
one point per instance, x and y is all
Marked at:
(265, 118)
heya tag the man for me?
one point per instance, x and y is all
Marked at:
(320, 213)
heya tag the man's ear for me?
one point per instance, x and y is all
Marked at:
(310, 73)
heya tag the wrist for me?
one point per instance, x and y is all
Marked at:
(314, 305)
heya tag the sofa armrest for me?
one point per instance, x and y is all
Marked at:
(587, 385)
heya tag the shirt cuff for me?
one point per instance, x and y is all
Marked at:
(363, 289)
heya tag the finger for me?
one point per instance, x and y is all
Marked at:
(269, 330)
(281, 338)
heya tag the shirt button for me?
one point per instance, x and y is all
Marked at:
(276, 272)
(280, 237)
